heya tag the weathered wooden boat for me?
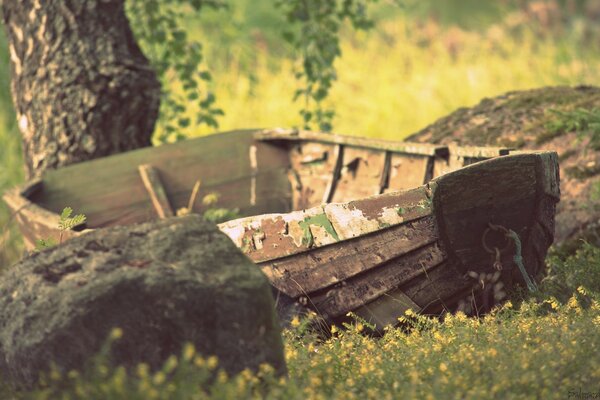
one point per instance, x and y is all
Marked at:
(336, 223)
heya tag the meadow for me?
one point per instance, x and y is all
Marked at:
(418, 64)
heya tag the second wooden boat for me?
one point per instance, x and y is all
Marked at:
(372, 227)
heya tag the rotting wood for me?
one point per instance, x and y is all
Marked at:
(407, 171)
(385, 310)
(291, 233)
(222, 161)
(376, 256)
(34, 221)
(360, 175)
(155, 190)
(312, 166)
(374, 283)
(384, 182)
(379, 144)
(501, 196)
(338, 156)
(321, 267)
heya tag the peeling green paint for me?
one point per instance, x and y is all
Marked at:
(246, 244)
(318, 220)
(424, 204)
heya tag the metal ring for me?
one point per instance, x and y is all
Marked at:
(495, 228)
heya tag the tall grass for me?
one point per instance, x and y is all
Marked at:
(543, 347)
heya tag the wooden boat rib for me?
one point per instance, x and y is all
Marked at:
(336, 223)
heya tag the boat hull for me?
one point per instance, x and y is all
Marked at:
(379, 227)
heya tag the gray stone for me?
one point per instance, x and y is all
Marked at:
(163, 283)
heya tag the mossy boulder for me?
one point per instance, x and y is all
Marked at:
(164, 283)
(541, 118)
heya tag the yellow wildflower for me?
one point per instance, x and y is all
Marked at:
(212, 362)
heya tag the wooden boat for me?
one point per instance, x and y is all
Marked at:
(336, 223)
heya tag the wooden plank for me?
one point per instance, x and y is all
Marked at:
(407, 171)
(322, 267)
(379, 144)
(312, 166)
(271, 236)
(156, 191)
(384, 183)
(374, 283)
(36, 222)
(360, 176)
(477, 151)
(500, 190)
(338, 155)
(386, 310)
(222, 162)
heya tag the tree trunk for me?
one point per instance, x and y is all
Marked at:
(81, 86)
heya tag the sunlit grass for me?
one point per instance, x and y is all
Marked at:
(544, 346)
(390, 85)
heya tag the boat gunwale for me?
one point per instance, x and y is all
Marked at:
(18, 197)
(394, 146)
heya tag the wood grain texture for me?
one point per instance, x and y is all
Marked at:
(501, 191)
(376, 282)
(312, 168)
(328, 138)
(115, 195)
(360, 175)
(313, 270)
(407, 171)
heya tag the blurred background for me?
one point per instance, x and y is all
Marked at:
(421, 61)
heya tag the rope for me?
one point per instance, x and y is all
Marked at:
(518, 259)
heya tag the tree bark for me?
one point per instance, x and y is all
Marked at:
(81, 86)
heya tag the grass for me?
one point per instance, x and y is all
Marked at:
(541, 346)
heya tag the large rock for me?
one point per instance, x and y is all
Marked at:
(163, 283)
(524, 120)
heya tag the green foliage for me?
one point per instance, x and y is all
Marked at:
(581, 269)
(42, 244)
(177, 59)
(314, 32)
(218, 214)
(586, 123)
(541, 349)
(211, 213)
(65, 223)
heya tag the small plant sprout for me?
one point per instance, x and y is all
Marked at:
(66, 222)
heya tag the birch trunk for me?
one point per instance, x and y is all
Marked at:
(81, 86)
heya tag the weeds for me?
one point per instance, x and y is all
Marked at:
(534, 347)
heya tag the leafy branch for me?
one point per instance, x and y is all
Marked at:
(314, 27)
(159, 28)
